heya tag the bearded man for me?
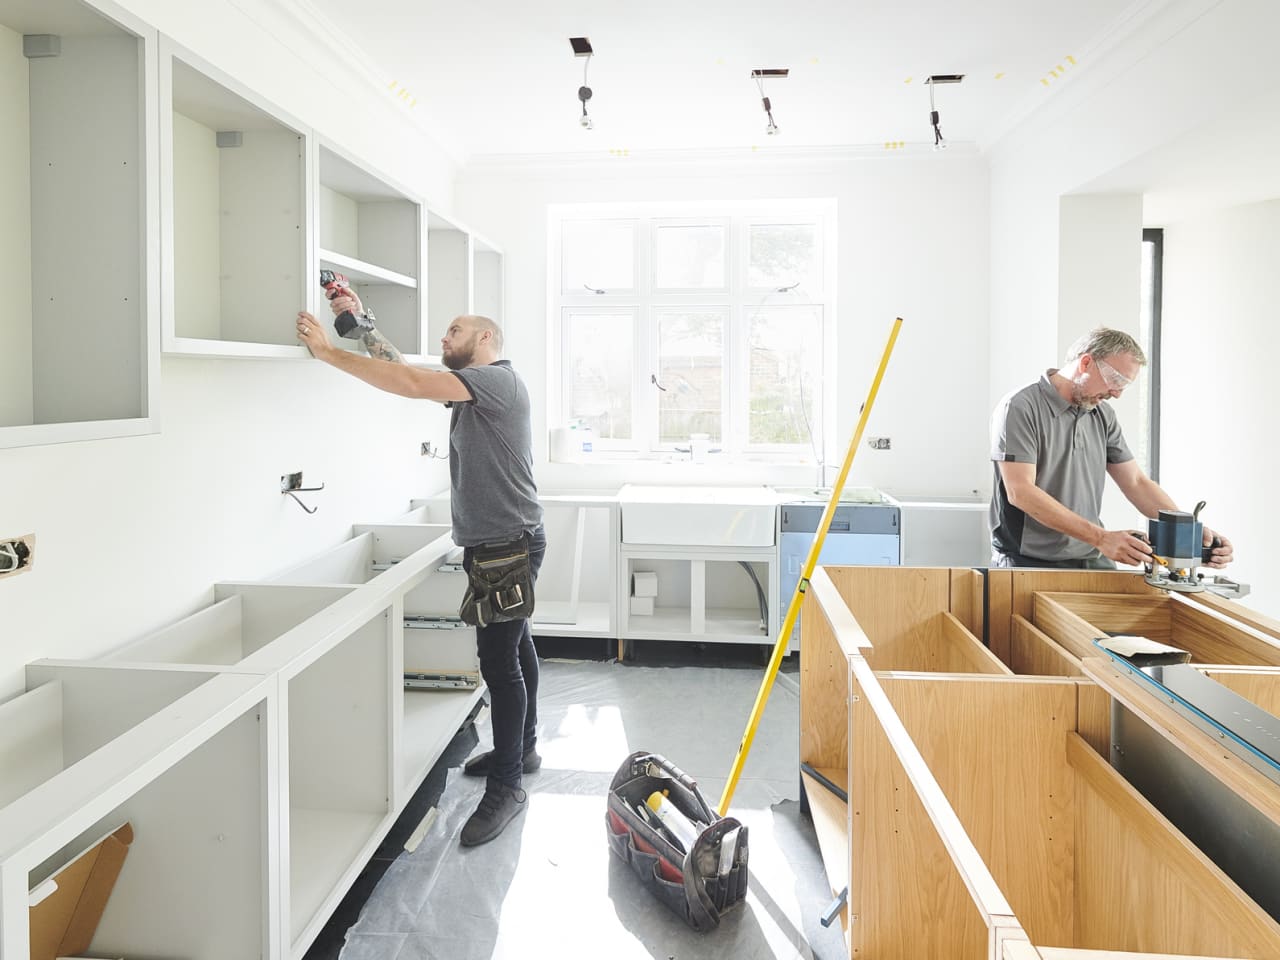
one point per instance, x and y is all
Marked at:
(493, 500)
(1053, 442)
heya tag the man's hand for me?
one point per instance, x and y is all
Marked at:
(347, 301)
(1222, 553)
(1124, 547)
(313, 336)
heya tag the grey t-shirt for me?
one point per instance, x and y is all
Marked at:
(1070, 447)
(493, 495)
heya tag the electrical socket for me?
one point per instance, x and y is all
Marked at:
(17, 555)
(878, 443)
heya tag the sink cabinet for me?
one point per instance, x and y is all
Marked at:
(705, 593)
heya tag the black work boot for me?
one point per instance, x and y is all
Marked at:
(498, 807)
(478, 766)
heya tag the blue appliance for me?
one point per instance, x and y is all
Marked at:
(861, 534)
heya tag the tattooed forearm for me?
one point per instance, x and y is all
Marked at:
(379, 347)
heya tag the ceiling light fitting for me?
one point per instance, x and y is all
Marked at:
(582, 48)
(759, 76)
(937, 78)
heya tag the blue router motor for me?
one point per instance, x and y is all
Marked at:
(1177, 536)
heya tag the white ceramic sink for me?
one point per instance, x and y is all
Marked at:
(699, 516)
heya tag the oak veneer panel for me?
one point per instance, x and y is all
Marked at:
(1024, 584)
(996, 746)
(905, 889)
(967, 588)
(831, 824)
(1218, 639)
(959, 651)
(1142, 616)
(1236, 611)
(896, 607)
(1068, 629)
(1142, 886)
(1093, 716)
(999, 611)
(1259, 685)
(824, 690)
(1070, 953)
(1033, 653)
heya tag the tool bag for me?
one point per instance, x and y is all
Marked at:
(499, 583)
(699, 884)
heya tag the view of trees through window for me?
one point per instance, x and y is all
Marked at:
(675, 327)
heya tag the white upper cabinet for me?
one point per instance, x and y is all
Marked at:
(79, 205)
(237, 248)
(370, 232)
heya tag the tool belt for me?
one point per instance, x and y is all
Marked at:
(698, 884)
(499, 583)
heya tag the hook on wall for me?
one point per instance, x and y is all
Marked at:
(291, 485)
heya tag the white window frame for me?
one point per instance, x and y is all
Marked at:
(736, 301)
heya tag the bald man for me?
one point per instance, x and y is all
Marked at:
(493, 500)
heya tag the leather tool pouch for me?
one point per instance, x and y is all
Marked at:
(499, 583)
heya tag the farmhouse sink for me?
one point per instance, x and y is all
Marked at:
(699, 516)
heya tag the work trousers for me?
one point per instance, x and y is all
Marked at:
(509, 668)
(999, 559)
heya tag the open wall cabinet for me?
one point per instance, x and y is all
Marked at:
(963, 793)
(255, 203)
(237, 236)
(371, 233)
(79, 200)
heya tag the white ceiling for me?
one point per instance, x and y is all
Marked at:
(499, 76)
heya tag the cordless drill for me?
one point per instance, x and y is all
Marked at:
(348, 325)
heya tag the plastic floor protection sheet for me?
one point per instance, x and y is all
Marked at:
(548, 886)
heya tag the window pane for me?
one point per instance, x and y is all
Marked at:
(598, 366)
(782, 255)
(785, 345)
(691, 369)
(689, 257)
(598, 254)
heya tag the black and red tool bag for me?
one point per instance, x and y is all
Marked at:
(699, 884)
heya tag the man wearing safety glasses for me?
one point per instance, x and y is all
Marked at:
(1053, 442)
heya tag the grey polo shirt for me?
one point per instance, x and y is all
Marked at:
(492, 493)
(1071, 448)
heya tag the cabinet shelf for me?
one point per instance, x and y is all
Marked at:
(358, 271)
(431, 717)
(324, 845)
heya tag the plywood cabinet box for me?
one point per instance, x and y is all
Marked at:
(966, 716)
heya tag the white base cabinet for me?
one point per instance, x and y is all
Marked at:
(261, 748)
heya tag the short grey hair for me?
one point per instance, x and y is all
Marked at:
(484, 323)
(1103, 342)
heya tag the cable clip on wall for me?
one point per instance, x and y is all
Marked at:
(291, 485)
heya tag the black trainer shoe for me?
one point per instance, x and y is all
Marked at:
(478, 766)
(498, 807)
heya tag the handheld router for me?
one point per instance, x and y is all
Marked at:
(1177, 550)
(348, 325)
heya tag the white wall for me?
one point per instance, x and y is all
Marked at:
(1221, 322)
(1179, 70)
(132, 533)
(912, 239)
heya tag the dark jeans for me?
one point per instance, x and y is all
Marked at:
(509, 667)
(1021, 560)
